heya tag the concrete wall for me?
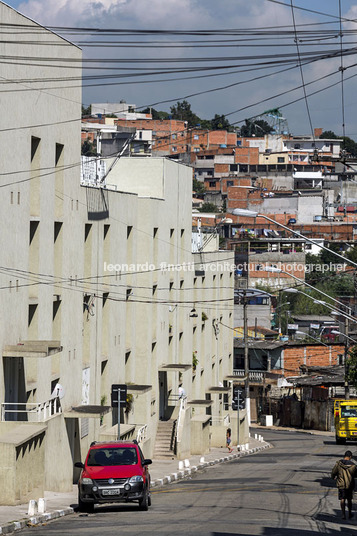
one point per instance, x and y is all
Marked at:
(184, 446)
(112, 323)
(58, 457)
(200, 434)
(22, 469)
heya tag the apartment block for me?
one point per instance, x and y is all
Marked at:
(99, 287)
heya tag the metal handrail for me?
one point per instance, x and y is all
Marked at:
(142, 434)
(179, 428)
(39, 412)
(218, 420)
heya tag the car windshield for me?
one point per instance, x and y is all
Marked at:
(348, 411)
(112, 456)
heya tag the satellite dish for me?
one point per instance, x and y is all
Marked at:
(58, 391)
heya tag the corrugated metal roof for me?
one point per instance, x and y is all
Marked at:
(314, 318)
(259, 345)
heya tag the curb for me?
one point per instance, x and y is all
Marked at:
(34, 520)
(159, 482)
(323, 433)
(180, 475)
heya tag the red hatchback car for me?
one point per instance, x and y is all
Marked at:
(114, 472)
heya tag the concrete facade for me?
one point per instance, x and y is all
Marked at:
(89, 299)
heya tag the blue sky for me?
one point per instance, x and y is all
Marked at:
(325, 107)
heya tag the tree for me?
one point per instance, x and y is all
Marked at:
(352, 254)
(88, 149)
(198, 186)
(301, 304)
(348, 143)
(326, 257)
(209, 207)
(352, 366)
(219, 122)
(183, 112)
(156, 114)
(328, 135)
(86, 111)
(258, 128)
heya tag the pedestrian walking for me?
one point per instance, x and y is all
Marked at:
(229, 439)
(344, 472)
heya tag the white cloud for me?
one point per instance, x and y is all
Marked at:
(201, 14)
(156, 13)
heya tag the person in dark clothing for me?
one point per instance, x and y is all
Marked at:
(344, 472)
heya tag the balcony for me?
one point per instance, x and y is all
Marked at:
(256, 376)
(27, 412)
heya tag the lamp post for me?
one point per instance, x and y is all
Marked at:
(311, 337)
(278, 307)
(335, 332)
(244, 296)
(253, 214)
(332, 309)
(279, 270)
(347, 387)
(246, 355)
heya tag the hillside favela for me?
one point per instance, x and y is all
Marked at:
(178, 278)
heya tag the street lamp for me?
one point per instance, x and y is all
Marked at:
(320, 302)
(311, 337)
(335, 332)
(280, 271)
(347, 387)
(245, 294)
(253, 214)
(280, 314)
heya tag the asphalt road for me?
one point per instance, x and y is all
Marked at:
(282, 491)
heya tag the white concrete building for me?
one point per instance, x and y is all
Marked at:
(87, 297)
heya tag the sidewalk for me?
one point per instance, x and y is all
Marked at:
(259, 427)
(14, 518)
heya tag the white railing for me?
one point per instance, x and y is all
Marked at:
(174, 400)
(254, 375)
(183, 406)
(142, 434)
(30, 412)
(218, 420)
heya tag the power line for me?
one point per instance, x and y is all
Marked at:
(342, 78)
(302, 72)
(312, 11)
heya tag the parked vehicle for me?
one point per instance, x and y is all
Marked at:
(114, 472)
(327, 333)
(345, 414)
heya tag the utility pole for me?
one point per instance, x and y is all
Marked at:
(246, 356)
(347, 387)
(238, 404)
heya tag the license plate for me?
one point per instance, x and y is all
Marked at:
(113, 491)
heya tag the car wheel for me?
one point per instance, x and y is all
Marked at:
(85, 507)
(144, 502)
(149, 499)
(340, 440)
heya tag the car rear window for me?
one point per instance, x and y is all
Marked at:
(112, 456)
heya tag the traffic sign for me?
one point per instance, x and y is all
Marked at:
(119, 392)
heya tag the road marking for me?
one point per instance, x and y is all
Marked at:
(200, 490)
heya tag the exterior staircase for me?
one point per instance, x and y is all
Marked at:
(162, 449)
